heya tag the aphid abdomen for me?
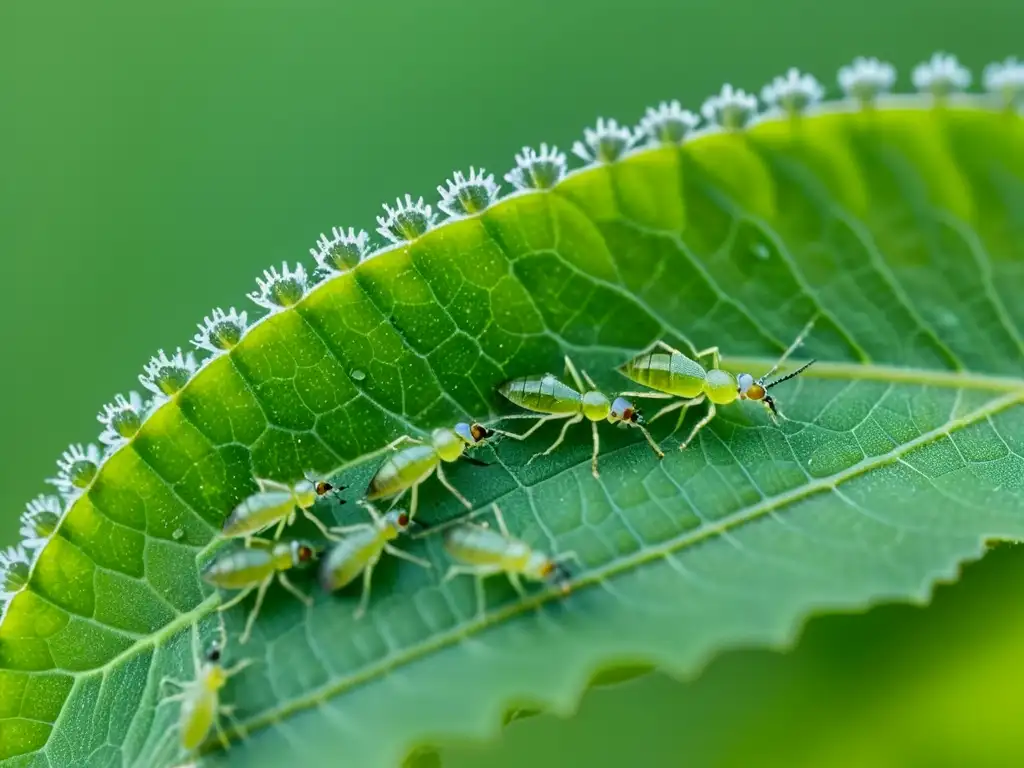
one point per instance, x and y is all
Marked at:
(673, 373)
(404, 469)
(198, 711)
(349, 558)
(258, 511)
(545, 394)
(485, 548)
(240, 569)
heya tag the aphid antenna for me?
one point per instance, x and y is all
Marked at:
(792, 347)
(791, 375)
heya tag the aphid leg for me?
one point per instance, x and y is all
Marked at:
(699, 426)
(177, 684)
(576, 419)
(231, 671)
(281, 525)
(266, 484)
(414, 499)
(716, 355)
(516, 582)
(222, 737)
(450, 487)
(648, 394)
(371, 511)
(346, 529)
(478, 578)
(299, 595)
(575, 375)
(251, 620)
(500, 519)
(398, 441)
(324, 530)
(541, 421)
(228, 711)
(391, 550)
(364, 598)
(236, 599)
(597, 450)
(650, 441)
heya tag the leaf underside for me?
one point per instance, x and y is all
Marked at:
(903, 453)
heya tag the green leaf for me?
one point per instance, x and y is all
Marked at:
(902, 455)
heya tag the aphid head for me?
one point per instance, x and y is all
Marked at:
(623, 411)
(448, 443)
(749, 389)
(554, 571)
(473, 434)
(398, 520)
(303, 552)
(596, 405)
(213, 653)
(322, 487)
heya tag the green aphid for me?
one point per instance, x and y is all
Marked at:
(673, 374)
(360, 550)
(256, 568)
(482, 552)
(276, 503)
(408, 467)
(556, 400)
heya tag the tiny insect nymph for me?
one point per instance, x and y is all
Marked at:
(361, 549)
(674, 375)
(201, 709)
(275, 503)
(555, 400)
(256, 568)
(482, 552)
(408, 467)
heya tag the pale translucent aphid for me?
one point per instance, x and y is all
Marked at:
(668, 123)
(164, 376)
(221, 331)
(556, 400)
(360, 550)
(1006, 79)
(672, 374)
(76, 468)
(121, 419)
(255, 569)
(866, 79)
(278, 290)
(407, 221)
(732, 108)
(537, 169)
(465, 196)
(482, 552)
(274, 504)
(39, 521)
(941, 76)
(793, 93)
(605, 143)
(340, 252)
(15, 568)
(201, 709)
(408, 467)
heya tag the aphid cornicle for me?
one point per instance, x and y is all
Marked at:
(256, 568)
(275, 503)
(408, 467)
(672, 374)
(482, 552)
(360, 550)
(556, 400)
(201, 709)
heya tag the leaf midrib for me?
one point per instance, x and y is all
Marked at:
(1014, 388)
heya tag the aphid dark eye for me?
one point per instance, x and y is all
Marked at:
(403, 519)
(480, 432)
(305, 553)
(213, 654)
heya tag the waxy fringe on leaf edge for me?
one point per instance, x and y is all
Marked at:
(862, 83)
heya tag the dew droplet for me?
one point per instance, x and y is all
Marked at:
(177, 533)
(761, 251)
(358, 375)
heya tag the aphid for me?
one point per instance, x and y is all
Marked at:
(673, 374)
(276, 503)
(482, 552)
(200, 698)
(547, 395)
(405, 469)
(256, 568)
(360, 550)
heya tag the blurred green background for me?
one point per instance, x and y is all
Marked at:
(156, 157)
